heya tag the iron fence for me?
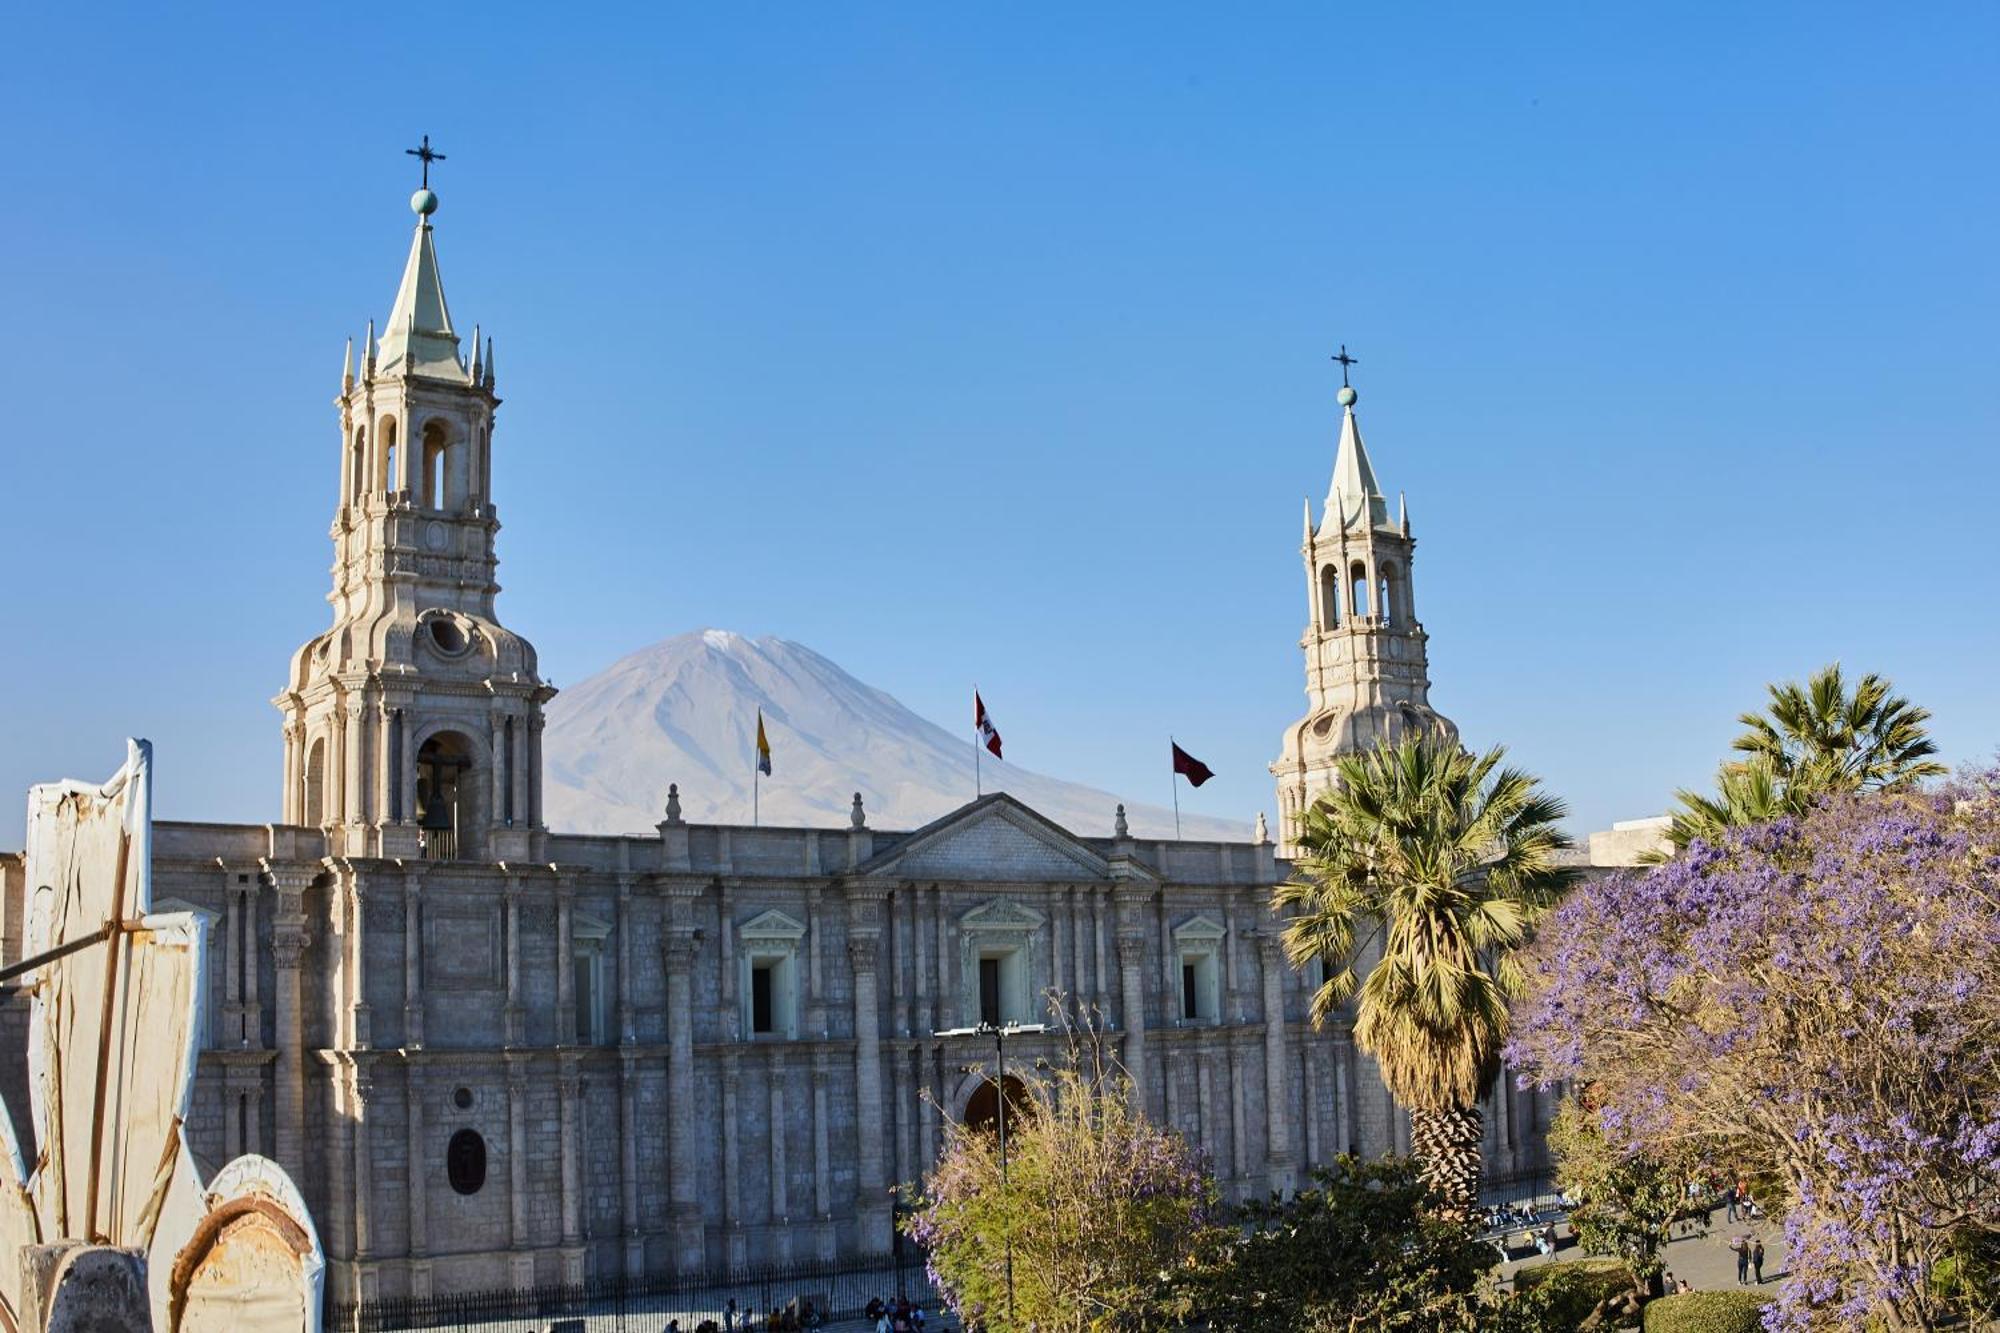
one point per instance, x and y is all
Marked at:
(797, 1296)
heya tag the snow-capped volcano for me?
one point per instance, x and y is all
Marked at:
(685, 711)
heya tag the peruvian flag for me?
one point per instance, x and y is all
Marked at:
(981, 723)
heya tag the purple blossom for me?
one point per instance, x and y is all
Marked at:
(1817, 998)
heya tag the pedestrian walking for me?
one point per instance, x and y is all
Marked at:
(1742, 1248)
(1729, 1199)
(729, 1316)
(1757, 1260)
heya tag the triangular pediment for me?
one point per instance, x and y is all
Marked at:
(995, 838)
(771, 925)
(1199, 928)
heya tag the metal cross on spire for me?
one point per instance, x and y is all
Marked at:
(1345, 361)
(428, 156)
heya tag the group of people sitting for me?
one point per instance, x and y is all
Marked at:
(897, 1316)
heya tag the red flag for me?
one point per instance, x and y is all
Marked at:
(1190, 767)
(983, 724)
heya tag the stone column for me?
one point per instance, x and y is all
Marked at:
(1277, 1067)
(513, 1014)
(781, 1210)
(497, 778)
(627, 1034)
(1343, 1094)
(528, 775)
(628, 1161)
(1102, 991)
(570, 1085)
(252, 1034)
(355, 755)
(232, 950)
(288, 943)
(822, 1162)
(683, 1152)
(736, 1251)
(413, 957)
(1132, 1011)
(359, 1035)
(566, 1034)
(414, 1181)
(359, 1090)
(523, 1261)
(873, 1214)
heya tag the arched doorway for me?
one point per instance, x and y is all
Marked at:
(445, 796)
(982, 1109)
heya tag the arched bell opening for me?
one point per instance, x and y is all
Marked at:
(449, 813)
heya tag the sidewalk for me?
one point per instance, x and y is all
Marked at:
(1704, 1260)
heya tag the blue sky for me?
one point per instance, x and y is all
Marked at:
(989, 342)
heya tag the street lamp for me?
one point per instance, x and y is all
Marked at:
(1000, 1032)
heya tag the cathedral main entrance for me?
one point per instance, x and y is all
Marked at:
(982, 1109)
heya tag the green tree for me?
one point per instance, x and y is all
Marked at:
(1813, 740)
(1098, 1210)
(1359, 1248)
(1447, 859)
(1627, 1200)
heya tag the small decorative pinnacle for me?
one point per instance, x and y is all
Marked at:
(858, 817)
(673, 802)
(1263, 833)
(1118, 826)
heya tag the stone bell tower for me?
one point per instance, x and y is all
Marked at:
(413, 726)
(1367, 672)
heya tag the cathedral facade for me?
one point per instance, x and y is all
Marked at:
(495, 1055)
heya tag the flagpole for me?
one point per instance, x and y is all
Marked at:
(977, 792)
(756, 773)
(1176, 786)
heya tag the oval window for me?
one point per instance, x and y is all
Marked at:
(465, 1161)
(448, 637)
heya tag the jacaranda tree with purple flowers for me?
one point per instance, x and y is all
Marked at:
(1101, 1210)
(1817, 998)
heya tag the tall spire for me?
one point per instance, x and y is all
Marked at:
(1354, 501)
(419, 329)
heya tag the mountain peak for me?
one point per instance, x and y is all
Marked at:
(684, 710)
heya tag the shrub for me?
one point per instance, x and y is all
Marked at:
(1706, 1312)
(1561, 1296)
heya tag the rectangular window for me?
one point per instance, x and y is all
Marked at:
(1190, 993)
(760, 1000)
(989, 991)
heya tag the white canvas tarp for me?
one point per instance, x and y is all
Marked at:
(111, 1066)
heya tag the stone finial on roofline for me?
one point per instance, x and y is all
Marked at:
(859, 817)
(673, 802)
(1118, 827)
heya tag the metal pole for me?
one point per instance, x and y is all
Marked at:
(1006, 1203)
(1173, 782)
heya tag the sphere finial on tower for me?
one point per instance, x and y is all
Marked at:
(1346, 396)
(423, 203)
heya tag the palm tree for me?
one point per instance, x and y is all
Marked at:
(1819, 736)
(1449, 859)
(1815, 740)
(1748, 792)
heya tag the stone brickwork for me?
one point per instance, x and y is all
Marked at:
(790, 1173)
